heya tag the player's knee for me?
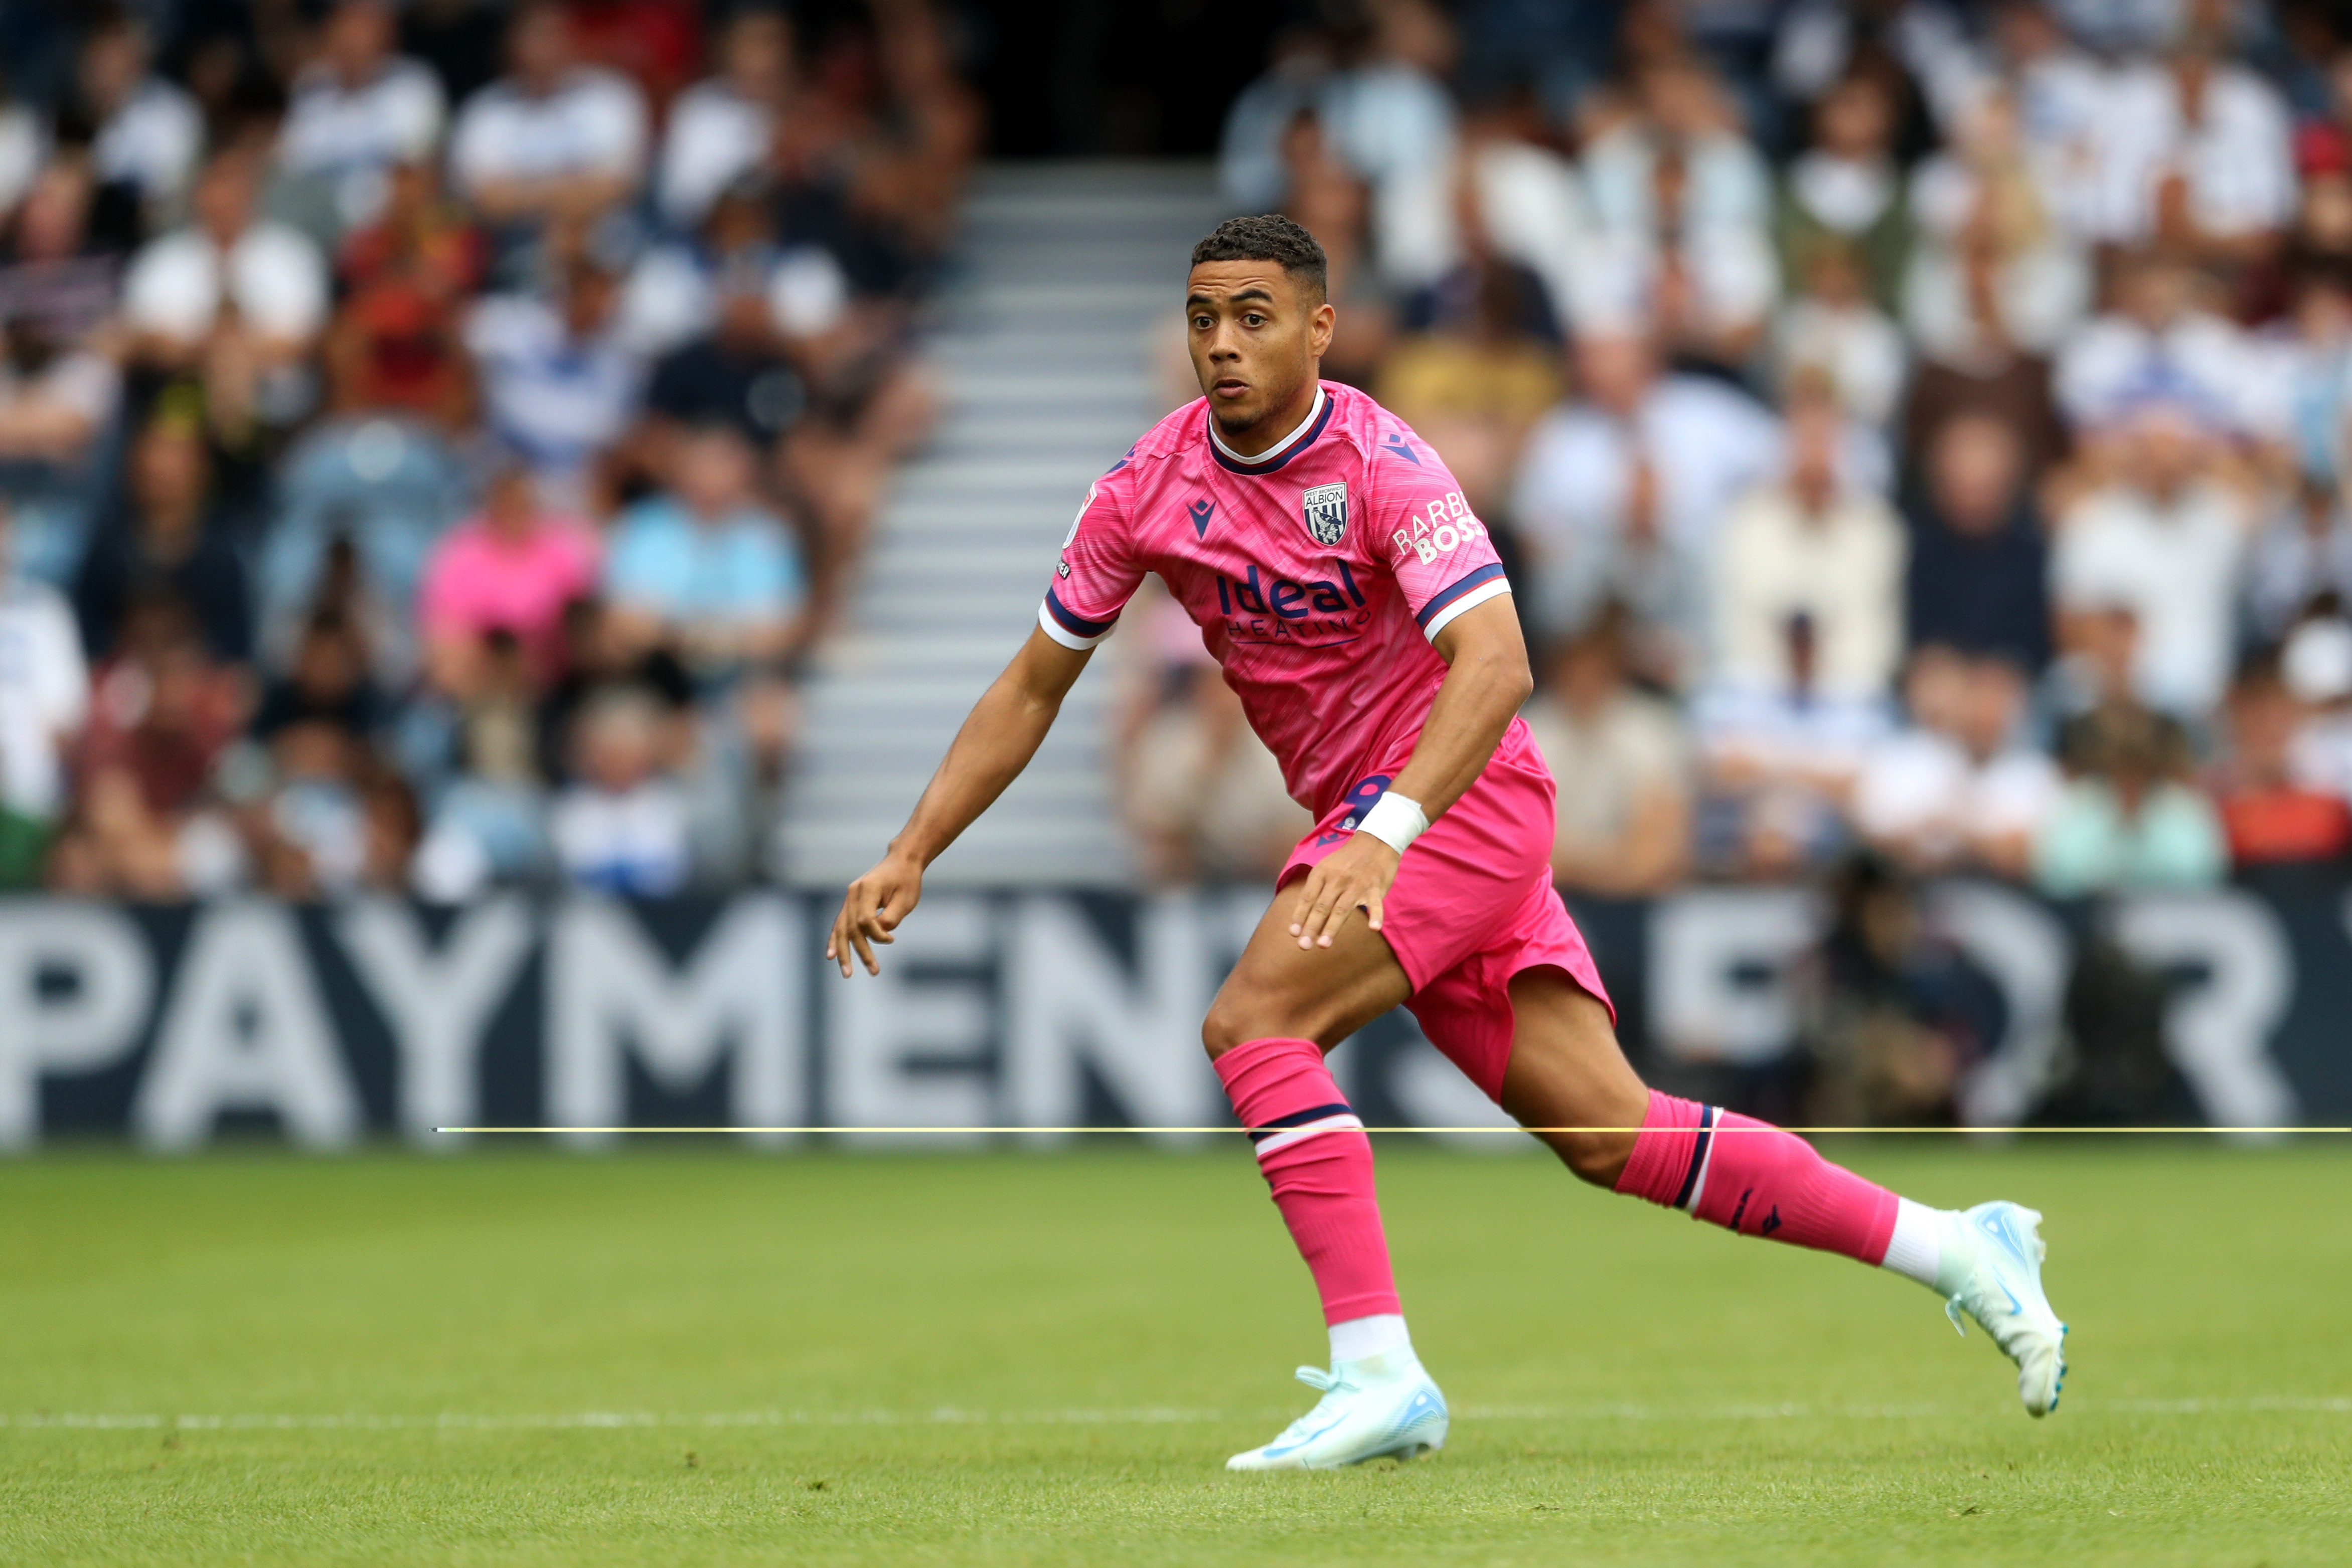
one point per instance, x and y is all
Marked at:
(1241, 1015)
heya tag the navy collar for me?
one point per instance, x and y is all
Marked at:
(1282, 451)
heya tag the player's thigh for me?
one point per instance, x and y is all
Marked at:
(1568, 1076)
(1279, 989)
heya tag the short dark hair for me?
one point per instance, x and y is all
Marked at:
(1269, 236)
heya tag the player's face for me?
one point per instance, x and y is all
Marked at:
(1256, 335)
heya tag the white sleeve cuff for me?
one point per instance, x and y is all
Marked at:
(1064, 634)
(1475, 596)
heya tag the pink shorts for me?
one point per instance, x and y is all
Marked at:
(1472, 906)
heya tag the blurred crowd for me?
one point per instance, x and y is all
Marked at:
(434, 434)
(1917, 429)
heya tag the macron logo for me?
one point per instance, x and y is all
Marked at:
(1202, 511)
(1396, 444)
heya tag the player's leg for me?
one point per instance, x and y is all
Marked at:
(1280, 1011)
(1568, 1078)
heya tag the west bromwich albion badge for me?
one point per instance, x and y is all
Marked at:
(1325, 510)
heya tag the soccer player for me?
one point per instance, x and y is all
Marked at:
(1358, 609)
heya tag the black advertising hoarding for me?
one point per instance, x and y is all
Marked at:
(1022, 1009)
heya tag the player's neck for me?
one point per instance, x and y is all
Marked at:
(1275, 433)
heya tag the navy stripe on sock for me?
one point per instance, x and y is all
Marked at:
(1300, 1117)
(1706, 1114)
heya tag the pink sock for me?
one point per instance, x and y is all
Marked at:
(1752, 1178)
(1315, 1157)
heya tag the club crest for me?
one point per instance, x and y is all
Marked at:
(1325, 507)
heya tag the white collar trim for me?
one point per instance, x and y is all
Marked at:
(1279, 448)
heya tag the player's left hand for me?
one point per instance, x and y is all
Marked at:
(1355, 876)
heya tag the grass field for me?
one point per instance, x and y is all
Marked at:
(701, 1355)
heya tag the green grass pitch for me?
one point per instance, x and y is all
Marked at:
(705, 1355)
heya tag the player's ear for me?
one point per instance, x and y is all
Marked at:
(1318, 329)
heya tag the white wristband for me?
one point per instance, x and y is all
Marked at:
(1394, 821)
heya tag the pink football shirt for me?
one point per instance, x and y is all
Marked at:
(1318, 572)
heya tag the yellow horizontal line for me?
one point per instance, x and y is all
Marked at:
(1485, 1128)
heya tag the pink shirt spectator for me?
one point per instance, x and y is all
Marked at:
(1317, 571)
(482, 579)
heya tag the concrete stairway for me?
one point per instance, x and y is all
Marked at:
(1042, 357)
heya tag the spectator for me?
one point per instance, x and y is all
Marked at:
(511, 570)
(1995, 285)
(2165, 542)
(555, 139)
(310, 830)
(1636, 453)
(706, 569)
(1683, 208)
(1780, 760)
(1477, 366)
(359, 111)
(2270, 816)
(1831, 335)
(1958, 789)
(162, 710)
(560, 383)
(149, 132)
(1891, 1016)
(1812, 547)
(621, 826)
(397, 345)
(44, 696)
(2163, 340)
(237, 300)
(2128, 818)
(1332, 203)
(2192, 152)
(2301, 561)
(1624, 829)
(1846, 192)
(719, 129)
(167, 535)
(1978, 572)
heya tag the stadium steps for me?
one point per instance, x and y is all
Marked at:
(1041, 358)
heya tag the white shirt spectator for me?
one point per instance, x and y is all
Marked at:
(1705, 442)
(2236, 159)
(1855, 345)
(20, 154)
(1842, 570)
(673, 294)
(556, 401)
(1726, 185)
(593, 124)
(715, 136)
(152, 142)
(2041, 292)
(1924, 789)
(44, 695)
(2200, 359)
(2176, 566)
(84, 384)
(354, 134)
(273, 275)
(632, 841)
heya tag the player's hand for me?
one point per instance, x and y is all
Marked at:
(1355, 876)
(872, 910)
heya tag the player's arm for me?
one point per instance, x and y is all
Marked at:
(1003, 731)
(1486, 679)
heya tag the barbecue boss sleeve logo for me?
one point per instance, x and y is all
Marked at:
(1438, 529)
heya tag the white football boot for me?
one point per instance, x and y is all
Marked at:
(1382, 1405)
(2002, 1291)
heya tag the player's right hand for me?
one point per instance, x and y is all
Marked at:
(872, 910)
